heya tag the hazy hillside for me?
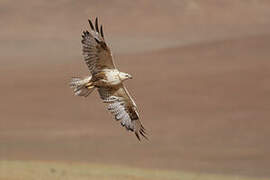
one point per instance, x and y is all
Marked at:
(39, 27)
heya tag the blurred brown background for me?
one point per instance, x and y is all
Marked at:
(201, 80)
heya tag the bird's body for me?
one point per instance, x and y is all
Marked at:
(111, 77)
(108, 80)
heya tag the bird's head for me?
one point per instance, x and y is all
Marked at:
(124, 76)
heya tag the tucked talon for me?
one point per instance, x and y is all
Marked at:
(89, 84)
(90, 87)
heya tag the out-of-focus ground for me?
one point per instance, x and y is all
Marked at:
(39, 170)
(201, 80)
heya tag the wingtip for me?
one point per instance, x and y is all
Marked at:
(143, 134)
(95, 27)
(137, 135)
(91, 24)
(101, 31)
(96, 24)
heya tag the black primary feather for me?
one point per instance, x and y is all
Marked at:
(137, 135)
(91, 24)
(101, 31)
(96, 24)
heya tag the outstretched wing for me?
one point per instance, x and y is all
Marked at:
(124, 109)
(97, 54)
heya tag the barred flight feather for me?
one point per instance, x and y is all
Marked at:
(95, 51)
(123, 108)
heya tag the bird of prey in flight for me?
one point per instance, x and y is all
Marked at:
(108, 80)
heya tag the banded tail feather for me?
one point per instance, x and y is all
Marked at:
(81, 87)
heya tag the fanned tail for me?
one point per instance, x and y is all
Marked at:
(81, 87)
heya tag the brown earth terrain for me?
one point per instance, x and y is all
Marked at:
(201, 80)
